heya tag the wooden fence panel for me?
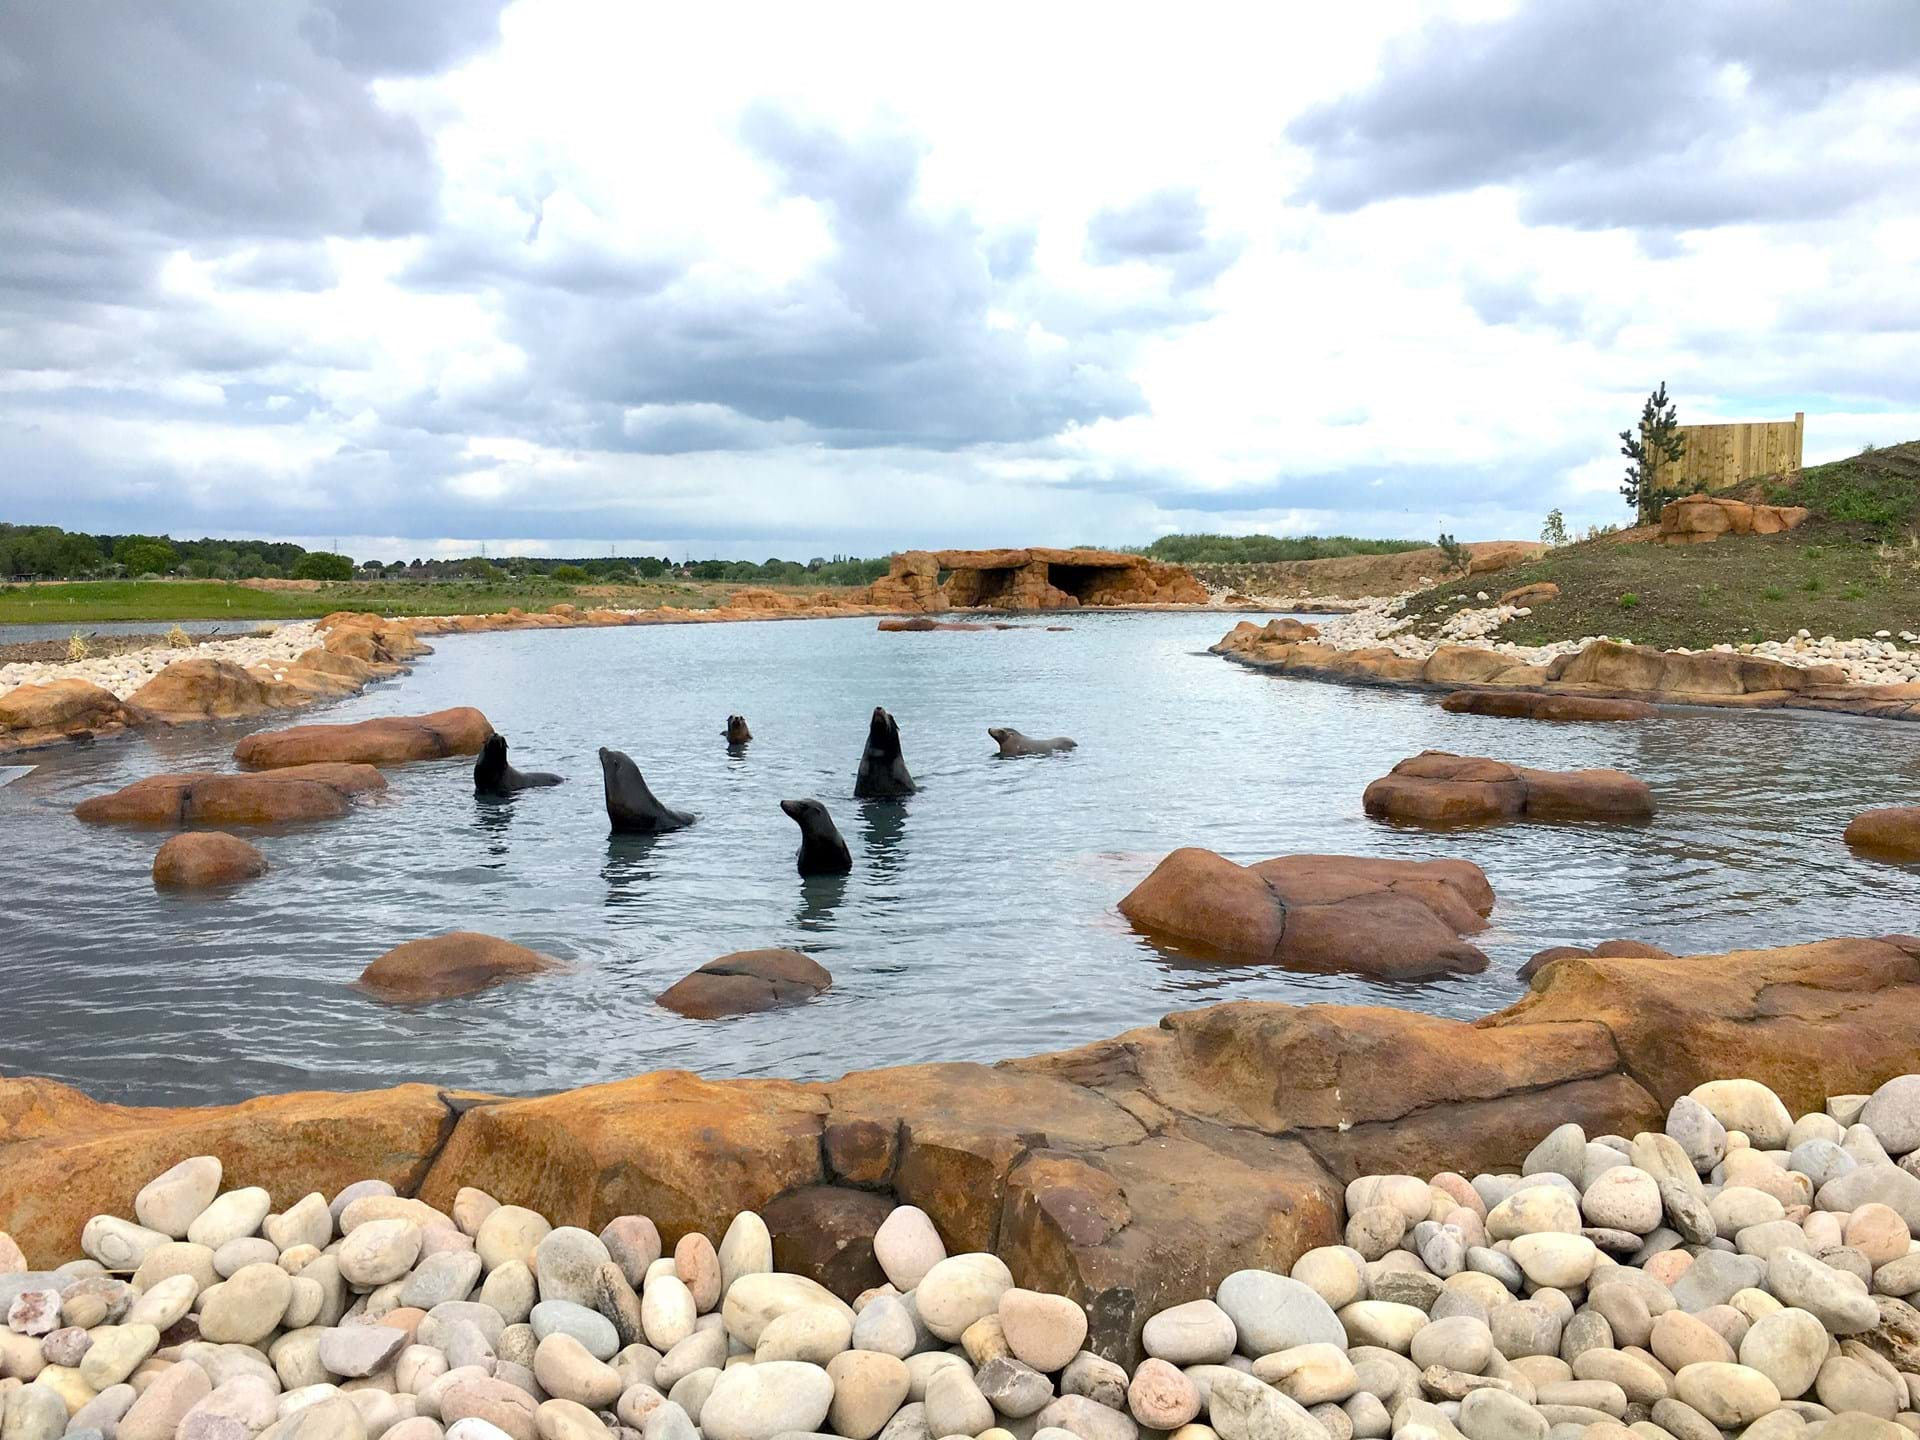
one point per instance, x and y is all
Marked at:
(1721, 455)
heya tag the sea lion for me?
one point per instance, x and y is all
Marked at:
(492, 775)
(630, 804)
(822, 851)
(883, 774)
(1012, 742)
(737, 731)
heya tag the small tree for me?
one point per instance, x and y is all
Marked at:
(1459, 560)
(323, 565)
(1656, 443)
(571, 575)
(1554, 534)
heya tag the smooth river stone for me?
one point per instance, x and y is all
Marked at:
(667, 1311)
(1788, 1347)
(1698, 1132)
(1013, 1389)
(511, 1290)
(868, 1388)
(1461, 1343)
(907, 1246)
(1534, 1210)
(960, 1290)
(1240, 1407)
(634, 1243)
(1332, 1272)
(1624, 1197)
(1275, 1312)
(589, 1327)
(450, 1275)
(175, 1198)
(1496, 1415)
(1893, 1114)
(886, 1325)
(813, 1333)
(308, 1221)
(245, 1309)
(1555, 1260)
(1309, 1374)
(757, 1402)
(119, 1244)
(352, 1351)
(1044, 1331)
(955, 1405)
(1839, 1302)
(565, 1369)
(1196, 1333)
(566, 1262)
(1160, 1397)
(511, 1232)
(702, 1350)
(755, 1301)
(379, 1252)
(481, 1397)
(1731, 1396)
(746, 1249)
(1874, 1184)
(117, 1351)
(233, 1216)
(697, 1266)
(165, 1303)
(1749, 1107)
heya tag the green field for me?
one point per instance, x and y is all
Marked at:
(95, 601)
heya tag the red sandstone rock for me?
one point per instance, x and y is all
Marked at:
(1605, 950)
(389, 740)
(1538, 593)
(1436, 788)
(301, 792)
(443, 967)
(201, 858)
(1893, 832)
(36, 715)
(746, 983)
(1535, 705)
(1031, 579)
(1700, 519)
(1393, 918)
(202, 689)
(921, 622)
(825, 1232)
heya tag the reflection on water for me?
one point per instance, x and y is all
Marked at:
(978, 921)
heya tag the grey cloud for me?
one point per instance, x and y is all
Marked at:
(382, 37)
(1167, 228)
(1608, 115)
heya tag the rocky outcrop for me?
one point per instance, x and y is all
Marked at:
(1031, 579)
(1538, 593)
(1392, 918)
(300, 792)
(1436, 788)
(193, 690)
(443, 967)
(388, 740)
(1893, 832)
(1702, 674)
(1605, 950)
(746, 983)
(1534, 705)
(1701, 519)
(35, 715)
(202, 858)
(1129, 1174)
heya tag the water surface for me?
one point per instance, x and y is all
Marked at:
(979, 921)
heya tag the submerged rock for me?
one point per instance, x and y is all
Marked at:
(1541, 705)
(1319, 912)
(442, 967)
(301, 792)
(746, 983)
(387, 740)
(202, 858)
(1436, 788)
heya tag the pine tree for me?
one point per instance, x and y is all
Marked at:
(1657, 443)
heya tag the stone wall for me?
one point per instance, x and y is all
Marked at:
(1131, 1173)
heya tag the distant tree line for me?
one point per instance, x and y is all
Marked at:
(1268, 549)
(46, 552)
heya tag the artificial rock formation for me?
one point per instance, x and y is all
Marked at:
(299, 792)
(443, 967)
(1127, 1174)
(201, 858)
(1893, 833)
(746, 983)
(36, 715)
(1605, 950)
(1033, 579)
(1702, 519)
(1391, 918)
(1535, 705)
(1435, 788)
(387, 740)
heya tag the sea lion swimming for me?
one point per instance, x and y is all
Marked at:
(492, 775)
(1012, 742)
(737, 731)
(631, 806)
(822, 851)
(883, 774)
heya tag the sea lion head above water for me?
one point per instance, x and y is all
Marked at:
(737, 731)
(822, 850)
(883, 772)
(492, 775)
(631, 806)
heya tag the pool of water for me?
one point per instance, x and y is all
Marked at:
(979, 920)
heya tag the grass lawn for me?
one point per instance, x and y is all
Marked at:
(1852, 568)
(94, 601)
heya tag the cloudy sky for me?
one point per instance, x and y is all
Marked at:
(560, 275)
